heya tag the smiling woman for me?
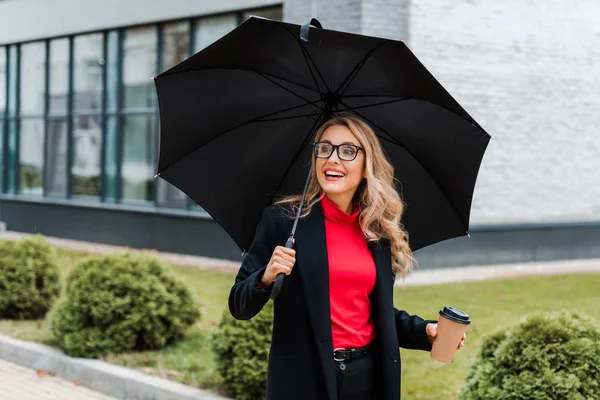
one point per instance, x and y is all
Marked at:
(349, 247)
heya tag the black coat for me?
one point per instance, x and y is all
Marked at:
(301, 364)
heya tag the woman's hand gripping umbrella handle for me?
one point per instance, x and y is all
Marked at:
(280, 277)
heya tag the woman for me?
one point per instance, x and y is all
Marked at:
(336, 333)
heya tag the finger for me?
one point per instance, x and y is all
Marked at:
(284, 262)
(283, 269)
(288, 258)
(290, 252)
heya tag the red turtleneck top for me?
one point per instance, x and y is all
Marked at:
(351, 277)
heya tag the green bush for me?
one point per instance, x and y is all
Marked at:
(121, 302)
(29, 278)
(547, 356)
(242, 351)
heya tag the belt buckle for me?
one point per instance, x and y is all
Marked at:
(338, 359)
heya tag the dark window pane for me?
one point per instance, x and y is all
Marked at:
(176, 44)
(32, 78)
(208, 30)
(56, 158)
(1, 155)
(59, 76)
(3, 69)
(87, 150)
(88, 66)
(12, 79)
(139, 66)
(12, 156)
(31, 156)
(110, 159)
(275, 13)
(112, 65)
(168, 195)
(139, 157)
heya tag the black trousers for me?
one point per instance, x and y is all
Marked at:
(356, 379)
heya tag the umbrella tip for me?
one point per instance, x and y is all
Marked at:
(157, 175)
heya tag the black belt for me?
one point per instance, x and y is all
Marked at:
(352, 354)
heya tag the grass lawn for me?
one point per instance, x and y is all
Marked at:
(492, 305)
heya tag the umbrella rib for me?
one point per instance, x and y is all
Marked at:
(377, 104)
(307, 54)
(303, 144)
(358, 67)
(291, 117)
(249, 70)
(289, 109)
(393, 140)
(288, 90)
(256, 119)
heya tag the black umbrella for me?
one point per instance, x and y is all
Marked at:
(237, 121)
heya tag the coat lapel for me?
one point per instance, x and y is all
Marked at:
(313, 267)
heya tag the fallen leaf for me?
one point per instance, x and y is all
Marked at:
(76, 383)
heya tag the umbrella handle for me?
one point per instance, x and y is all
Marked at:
(280, 276)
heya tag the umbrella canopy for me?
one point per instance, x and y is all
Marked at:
(237, 121)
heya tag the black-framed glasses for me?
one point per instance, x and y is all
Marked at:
(345, 152)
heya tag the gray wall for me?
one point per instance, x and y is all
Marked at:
(22, 20)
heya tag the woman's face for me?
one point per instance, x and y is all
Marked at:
(340, 178)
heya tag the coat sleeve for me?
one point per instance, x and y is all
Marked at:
(411, 331)
(247, 298)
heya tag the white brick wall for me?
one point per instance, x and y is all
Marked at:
(527, 71)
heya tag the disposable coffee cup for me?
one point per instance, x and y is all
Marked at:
(452, 324)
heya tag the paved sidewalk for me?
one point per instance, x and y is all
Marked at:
(20, 383)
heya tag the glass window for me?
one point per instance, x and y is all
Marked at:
(12, 79)
(3, 70)
(139, 66)
(110, 159)
(112, 64)
(56, 158)
(12, 156)
(31, 156)
(139, 157)
(32, 78)
(175, 49)
(208, 30)
(275, 13)
(87, 150)
(88, 68)
(59, 76)
(176, 41)
(1, 155)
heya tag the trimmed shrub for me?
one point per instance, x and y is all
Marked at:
(29, 278)
(121, 302)
(547, 356)
(242, 352)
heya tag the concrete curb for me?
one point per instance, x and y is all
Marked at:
(113, 380)
(475, 273)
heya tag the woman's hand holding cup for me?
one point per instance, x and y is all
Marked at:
(282, 261)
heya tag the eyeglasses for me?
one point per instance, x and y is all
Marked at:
(345, 152)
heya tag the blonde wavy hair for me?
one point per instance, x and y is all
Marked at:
(380, 204)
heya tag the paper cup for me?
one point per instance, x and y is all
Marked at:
(452, 324)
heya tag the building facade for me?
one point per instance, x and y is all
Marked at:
(79, 121)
